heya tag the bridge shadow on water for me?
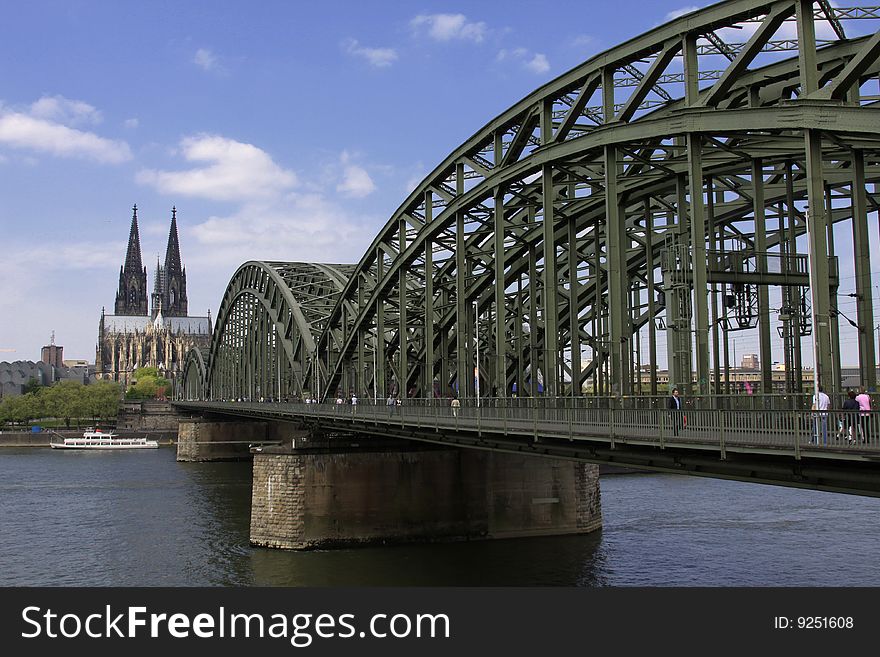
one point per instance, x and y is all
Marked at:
(549, 561)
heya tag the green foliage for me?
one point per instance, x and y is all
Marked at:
(148, 384)
(33, 385)
(66, 400)
(103, 399)
(21, 408)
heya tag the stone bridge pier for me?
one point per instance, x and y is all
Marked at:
(313, 489)
(220, 439)
(334, 492)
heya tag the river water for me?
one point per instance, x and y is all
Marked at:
(142, 519)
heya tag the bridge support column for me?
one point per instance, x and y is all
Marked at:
(218, 440)
(308, 497)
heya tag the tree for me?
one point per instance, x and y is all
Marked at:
(65, 399)
(6, 410)
(147, 384)
(33, 385)
(22, 408)
(103, 399)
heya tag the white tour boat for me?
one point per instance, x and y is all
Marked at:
(97, 439)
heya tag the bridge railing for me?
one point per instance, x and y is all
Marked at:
(838, 431)
(757, 402)
(781, 401)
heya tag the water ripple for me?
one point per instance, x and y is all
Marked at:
(126, 519)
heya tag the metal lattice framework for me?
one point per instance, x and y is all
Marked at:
(264, 341)
(676, 183)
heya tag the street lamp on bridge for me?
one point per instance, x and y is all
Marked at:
(813, 302)
(477, 338)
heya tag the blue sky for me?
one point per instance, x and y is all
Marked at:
(280, 130)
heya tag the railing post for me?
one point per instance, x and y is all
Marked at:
(611, 410)
(797, 437)
(535, 422)
(720, 422)
(662, 429)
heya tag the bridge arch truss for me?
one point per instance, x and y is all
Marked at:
(644, 207)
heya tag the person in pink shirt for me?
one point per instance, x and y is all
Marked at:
(865, 412)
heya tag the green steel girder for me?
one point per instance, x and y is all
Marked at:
(529, 244)
(194, 375)
(265, 338)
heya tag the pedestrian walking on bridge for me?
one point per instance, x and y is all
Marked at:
(850, 424)
(676, 408)
(864, 401)
(821, 404)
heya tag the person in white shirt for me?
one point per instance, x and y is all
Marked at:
(821, 403)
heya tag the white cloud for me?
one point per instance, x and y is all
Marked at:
(308, 223)
(64, 110)
(538, 63)
(356, 182)
(378, 57)
(61, 292)
(299, 227)
(582, 41)
(447, 27)
(131, 123)
(20, 130)
(505, 54)
(676, 13)
(22, 278)
(205, 59)
(235, 171)
(153, 228)
(534, 62)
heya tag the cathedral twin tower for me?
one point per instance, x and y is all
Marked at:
(135, 336)
(169, 290)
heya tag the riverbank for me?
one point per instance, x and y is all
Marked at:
(43, 438)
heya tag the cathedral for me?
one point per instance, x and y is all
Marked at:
(135, 336)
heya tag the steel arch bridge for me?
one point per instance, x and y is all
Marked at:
(686, 185)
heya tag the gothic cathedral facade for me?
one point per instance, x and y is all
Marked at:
(135, 336)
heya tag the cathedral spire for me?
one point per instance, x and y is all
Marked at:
(171, 278)
(131, 297)
(133, 256)
(172, 253)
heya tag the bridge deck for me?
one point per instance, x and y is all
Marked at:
(830, 451)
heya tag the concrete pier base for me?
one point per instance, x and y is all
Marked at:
(208, 440)
(308, 498)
